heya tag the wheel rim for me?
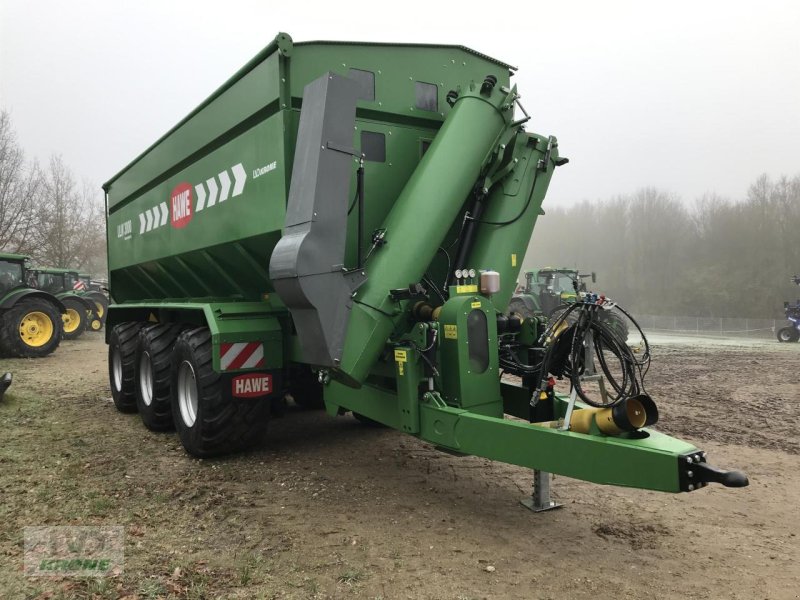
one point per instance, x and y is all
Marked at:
(146, 379)
(99, 312)
(35, 329)
(187, 393)
(116, 369)
(71, 320)
(96, 325)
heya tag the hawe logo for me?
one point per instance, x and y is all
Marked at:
(181, 205)
(251, 385)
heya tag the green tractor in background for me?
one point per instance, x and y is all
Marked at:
(81, 309)
(31, 323)
(95, 290)
(550, 291)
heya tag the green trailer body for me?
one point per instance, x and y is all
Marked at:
(322, 215)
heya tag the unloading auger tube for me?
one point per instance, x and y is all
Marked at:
(401, 308)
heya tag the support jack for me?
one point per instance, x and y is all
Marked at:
(539, 500)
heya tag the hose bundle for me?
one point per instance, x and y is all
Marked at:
(580, 328)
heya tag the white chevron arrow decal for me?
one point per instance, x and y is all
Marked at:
(156, 216)
(164, 213)
(149, 216)
(201, 197)
(141, 222)
(225, 181)
(212, 191)
(240, 176)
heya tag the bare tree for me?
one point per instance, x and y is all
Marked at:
(20, 185)
(69, 228)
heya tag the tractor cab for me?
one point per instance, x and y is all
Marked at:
(49, 280)
(12, 272)
(555, 286)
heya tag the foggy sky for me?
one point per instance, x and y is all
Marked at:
(686, 96)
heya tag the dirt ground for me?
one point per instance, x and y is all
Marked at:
(328, 508)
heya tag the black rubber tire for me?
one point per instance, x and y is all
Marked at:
(103, 301)
(123, 341)
(788, 334)
(11, 340)
(80, 312)
(519, 306)
(222, 424)
(618, 322)
(156, 341)
(305, 388)
(571, 319)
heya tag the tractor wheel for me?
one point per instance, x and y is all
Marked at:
(121, 364)
(555, 316)
(152, 368)
(617, 322)
(518, 306)
(95, 324)
(101, 307)
(306, 390)
(209, 421)
(30, 329)
(75, 319)
(788, 334)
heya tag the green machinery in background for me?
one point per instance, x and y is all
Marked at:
(549, 291)
(345, 222)
(84, 308)
(30, 319)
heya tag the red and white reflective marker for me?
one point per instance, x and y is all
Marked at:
(241, 355)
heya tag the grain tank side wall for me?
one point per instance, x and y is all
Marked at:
(177, 218)
(250, 127)
(256, 91)
(393, 113)
(227, 165)
(396, 71)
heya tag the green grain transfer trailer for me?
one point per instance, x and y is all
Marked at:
(345, 222)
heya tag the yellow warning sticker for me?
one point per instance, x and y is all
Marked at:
(476, 304)
(513, 260)
(451, 332)
(466, 289)
(401, 357)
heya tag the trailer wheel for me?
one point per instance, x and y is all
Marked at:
(74, 319)
(121, 361)
(788, 334)
(209, 421)
(152, 369)
(30, 329)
